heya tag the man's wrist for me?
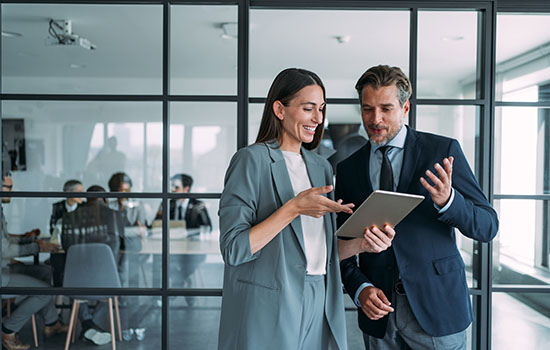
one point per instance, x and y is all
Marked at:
(359, 290)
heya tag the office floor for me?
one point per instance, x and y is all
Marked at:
(515, 325)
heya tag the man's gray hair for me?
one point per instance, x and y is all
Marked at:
(383, 75)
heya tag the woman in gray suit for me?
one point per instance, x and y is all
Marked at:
(282, 287)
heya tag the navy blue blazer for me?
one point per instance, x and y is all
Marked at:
(424, 248)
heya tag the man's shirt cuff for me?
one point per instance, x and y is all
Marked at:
(361, 287)
(449, 202)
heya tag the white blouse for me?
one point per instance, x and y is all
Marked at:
(313, 228)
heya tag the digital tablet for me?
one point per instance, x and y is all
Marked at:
(380, 208)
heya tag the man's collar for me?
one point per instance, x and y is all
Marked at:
(70, 207)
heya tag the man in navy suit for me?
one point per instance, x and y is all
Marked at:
(413, 295)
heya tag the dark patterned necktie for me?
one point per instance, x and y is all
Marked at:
(386, 172)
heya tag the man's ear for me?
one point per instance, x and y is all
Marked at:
(278, 109)
(406, 108)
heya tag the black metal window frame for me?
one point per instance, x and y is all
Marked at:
(485, 101)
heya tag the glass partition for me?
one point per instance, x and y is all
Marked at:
(194, 327)
(124, 225)
(49, 142)
(520, 254)
(338, 45)
(203, 138)
(203, 57)
(521, 150)
(81, 49)
(522, 70)
(520, 321)
(447, 54)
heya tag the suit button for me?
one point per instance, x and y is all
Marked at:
(389, 268)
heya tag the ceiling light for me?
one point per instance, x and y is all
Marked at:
(230, 30)
(11, 34)
(452, 38)
(77, 66)
(342, 39)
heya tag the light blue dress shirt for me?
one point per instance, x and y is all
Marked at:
(395, 155)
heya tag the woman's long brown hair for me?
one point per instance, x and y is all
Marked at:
(284, 88)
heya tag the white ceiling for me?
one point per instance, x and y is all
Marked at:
(129, 47)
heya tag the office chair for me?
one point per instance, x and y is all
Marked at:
(91, 265)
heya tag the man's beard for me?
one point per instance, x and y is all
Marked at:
(388, 138)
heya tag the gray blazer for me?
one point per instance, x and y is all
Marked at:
(263, 292)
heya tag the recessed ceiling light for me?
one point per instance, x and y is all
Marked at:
(342, 39)
(452, 38)
(11, 34)
(77, 66)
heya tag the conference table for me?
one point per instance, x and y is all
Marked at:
(191, 242)
(182, 241)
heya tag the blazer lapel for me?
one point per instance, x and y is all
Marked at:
(284, 186)
(410, 160)
(316, 174)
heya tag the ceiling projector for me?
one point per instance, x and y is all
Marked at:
(61, 34)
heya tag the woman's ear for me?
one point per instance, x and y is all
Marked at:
(278, 109)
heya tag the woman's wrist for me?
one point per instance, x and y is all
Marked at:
(291, 208)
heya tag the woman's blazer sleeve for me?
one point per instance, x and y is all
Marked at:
(238, 207)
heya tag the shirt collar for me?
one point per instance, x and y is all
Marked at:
(70, 208)
(398, 141)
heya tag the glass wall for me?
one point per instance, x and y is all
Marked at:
(85, 96)
(337, 45)
(81, 49)
(447, 54)
(522, 169)
(522, 181)
(520, 320)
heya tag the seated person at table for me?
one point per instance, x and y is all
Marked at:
(21, 275)
(66, 205)
(194, 213)
(135, 215)
(134, 228)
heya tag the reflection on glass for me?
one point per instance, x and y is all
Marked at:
(50, 142)
(520, 321)
(120, 224)
(518, 251)
(195, 259)
(139, 318)
(127, 58)
(337, 45)
(447, 53)
(521, 152)
(194, 327)
(203, 58)
(458, 122)
(522, 57)
(202, 141)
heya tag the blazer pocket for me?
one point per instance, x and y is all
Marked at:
(256, 284)
(448, 264)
